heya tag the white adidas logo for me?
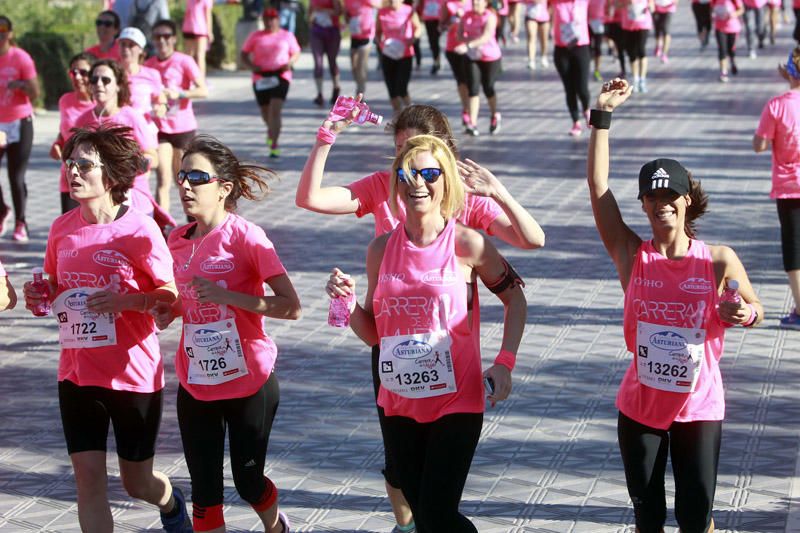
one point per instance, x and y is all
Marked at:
(251, 462)
(659, 179)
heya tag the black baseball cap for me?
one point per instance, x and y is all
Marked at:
(663, 174)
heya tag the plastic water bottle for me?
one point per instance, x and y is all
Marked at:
(41, 286)
(731, 292)
(344, 106)
(339, 311)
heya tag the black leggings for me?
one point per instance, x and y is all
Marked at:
(789, 217)
(694, 449)
(572, 64)
(434, 460)
(432, 29)
(760, 30)
(18, 155)
(636, 43)
(396, 74)
(726, 44)
(661, 23)
(249, 422)
(796, 34)
(702, 18)
(614, 32)
(389, 465)
(483, 74)
(459, 64)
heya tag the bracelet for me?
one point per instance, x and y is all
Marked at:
(753, 317)
(507, 359)
(325, 136)
(600, 120)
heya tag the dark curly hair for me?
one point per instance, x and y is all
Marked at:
(124, 91)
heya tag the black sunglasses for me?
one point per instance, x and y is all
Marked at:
(430, 175)
(105, 79)
(159, 36)
(82, 72)
(106, 23)
(196, 177)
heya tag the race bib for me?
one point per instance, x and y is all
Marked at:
(474, 54)
(77, 326)
(637, 10)
(267, 82)
(355, 25)
(431, 9)
(569, 31)
(721, 12)
(418, 365)
(11, 129)
(214, 351)
(669, 358)
(598, 28)
(323, 19)
(393, 48)
(664, 3)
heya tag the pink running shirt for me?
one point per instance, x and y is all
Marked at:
(636, 15)
(15, 65)
(130, 252)
(70, 108)
(473, 25)
(597, 10)
(454, 7)
(112, 53)
(432, 284)
(722, 11)
(146, 87)
(396, 24)
(372, 193)
(680, 293)
(179, 71)
(780, 123)
(238, 255)
(363, 11)
(570, 22)
(195, 20)
(271, 51)
(666, 6)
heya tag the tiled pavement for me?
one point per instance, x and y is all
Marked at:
(548, 458)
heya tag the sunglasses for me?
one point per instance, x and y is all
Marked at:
(105, 79)
(196, 177)
(164, 36)
(102, 22)
(82, 72)
(430, 175)
(84, 165)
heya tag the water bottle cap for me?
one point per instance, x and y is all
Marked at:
(733, 284)
(380, 120)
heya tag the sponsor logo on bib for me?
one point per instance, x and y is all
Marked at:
(76, 301)
(668, 340)
(438, 278)
(411, 349)
(206, 337)
(216, 265)
(696, 286)
(110, 258)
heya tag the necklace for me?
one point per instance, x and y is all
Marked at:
(195, 246)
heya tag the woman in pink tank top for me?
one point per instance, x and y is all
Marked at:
(671, 399)
(431, 383)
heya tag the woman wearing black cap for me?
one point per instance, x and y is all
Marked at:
(671, 398)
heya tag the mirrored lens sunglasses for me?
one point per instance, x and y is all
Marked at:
(196, 177)
(430, 175)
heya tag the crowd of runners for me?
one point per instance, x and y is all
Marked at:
(118, 267)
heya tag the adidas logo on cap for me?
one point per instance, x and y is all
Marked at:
(663, 174)
(659, 179)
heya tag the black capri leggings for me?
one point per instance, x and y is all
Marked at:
(572, 64)
(702, 18)
(18, 155)
(694, 449)
(661, 23)
(249, 422)
(726, 44)
(434, 460)
(396, 74)
(483, 74)
(459, 64)
(636, 43)
(614, 32)
(432, 29)
(789, 217)
(389, 465)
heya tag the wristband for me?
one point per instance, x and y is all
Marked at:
(600, 120)
(753, 317)
(507, 359)
(325, 136)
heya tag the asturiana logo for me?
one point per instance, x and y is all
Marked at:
(110, 258)
(216, 265)
(667, 340)
(696, 286)
(206, 337)
(76, 301)
(438, 278)
(411, 349)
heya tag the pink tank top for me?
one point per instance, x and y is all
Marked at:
(672, 296)
(421, 290)
(474, 24)
(396, 25)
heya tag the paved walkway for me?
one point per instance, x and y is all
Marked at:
(548, 459)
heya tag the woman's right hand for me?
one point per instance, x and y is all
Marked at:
(340, 284)
(339, 125)
(613, 94)
(162, 314)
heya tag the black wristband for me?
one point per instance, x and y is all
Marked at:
(600, 120)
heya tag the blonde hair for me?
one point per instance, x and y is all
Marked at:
(453, 197)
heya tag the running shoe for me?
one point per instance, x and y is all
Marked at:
(753, 54)
(182, 522)
(284, 520)
(319, 100)
(465, 119)
(723, 77)
(734, 68)
(790, 321)
(643, 85)
(532, 64)
(598, 76)
(20, 232)
(435, 68)
(514, 38)
(5, 220)
(398, 529)
(576, 130)
(545, 62)
(471, 130)
(274, 152)
(334, 95)
(664, 58)
(494, 127)
(658, 51)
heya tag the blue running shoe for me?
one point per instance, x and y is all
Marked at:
(181, 522)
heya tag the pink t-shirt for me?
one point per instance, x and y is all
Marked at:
(128, 255)
(112, 53)
(666, 6)
(239, 256)
(756, 4)
(724, 20)
(179, 71)
(323, 15)
(195, 19)
(614, 9)
(440, 303)
(597, 10)
(683, 294)
(15, 65)
(145, 88)
(372, 193)
(571, 22)
(780, 123)
(396, 24)
(271, 51)
(473, 24)
(453, 9)
(70, 108)
(362, 18)
(636, 16)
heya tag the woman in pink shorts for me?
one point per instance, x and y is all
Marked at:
(8, 296)
(222, 264)
(537, 28)
(671, 400)
(434, 402)
(107, 265)
(197, 31)
(780, 120)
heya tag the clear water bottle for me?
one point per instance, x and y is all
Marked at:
(339, 311)
(344, 106)
(731, 292)
(42, 287)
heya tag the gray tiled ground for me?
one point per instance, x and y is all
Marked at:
(548, 459)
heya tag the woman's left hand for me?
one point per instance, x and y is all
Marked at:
(501, 376)
(207, 291)
(478, 180)
(734, 313)
(106, 302)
